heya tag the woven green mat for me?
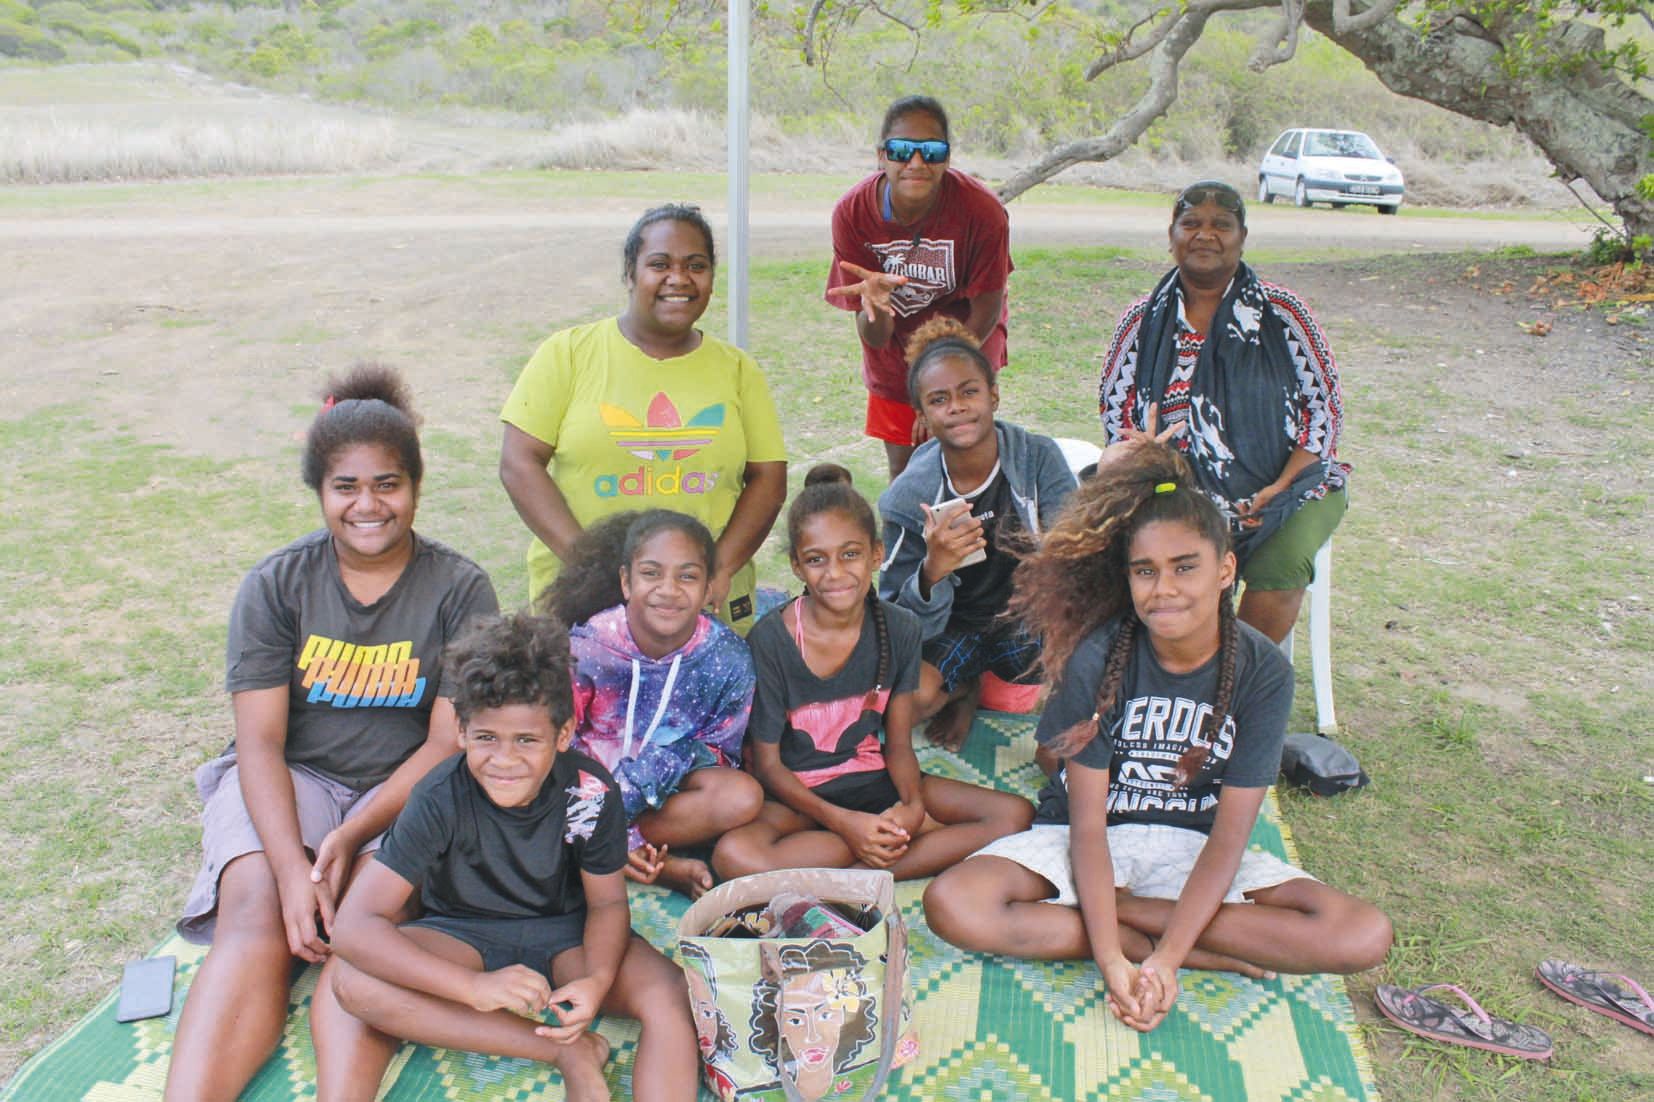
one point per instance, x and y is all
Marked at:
(989, 1028)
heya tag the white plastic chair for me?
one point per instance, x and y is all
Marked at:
(1320, 641)
(1080, 454)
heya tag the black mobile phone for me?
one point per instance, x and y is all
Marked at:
(146, 989)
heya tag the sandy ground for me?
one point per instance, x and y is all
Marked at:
(219, 291)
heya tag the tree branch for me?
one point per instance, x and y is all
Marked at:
(1184, 31)
(847, 15)
(810, 31)
(1345, 22)
(1618, 231)
(1282, 40)
(1127, 50)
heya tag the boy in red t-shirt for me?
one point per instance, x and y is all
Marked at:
(911, 241)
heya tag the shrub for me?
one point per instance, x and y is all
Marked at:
(284, 49)
(1609, 247)
(23, 41)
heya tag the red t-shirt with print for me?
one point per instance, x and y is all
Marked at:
(961, 249)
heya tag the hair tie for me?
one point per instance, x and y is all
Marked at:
(329, 403)
(1165, 487)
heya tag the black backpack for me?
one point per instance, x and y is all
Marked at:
(1321, 765)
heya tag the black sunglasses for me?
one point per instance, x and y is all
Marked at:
(1210, 191)
(933, 151)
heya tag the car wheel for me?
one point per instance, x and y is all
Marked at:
(1389, 210)
(1264, 194)
(1300, 197)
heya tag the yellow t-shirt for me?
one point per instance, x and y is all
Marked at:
(632, 432)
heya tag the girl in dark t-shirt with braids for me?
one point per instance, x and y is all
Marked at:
(830, 735)
(1167, 719)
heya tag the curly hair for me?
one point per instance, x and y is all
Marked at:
(666, 212)
(1076, 580)
(940, 338)
(828, 487)
(369, 404)
(860, 1025)
(589, 582)
(515, 658)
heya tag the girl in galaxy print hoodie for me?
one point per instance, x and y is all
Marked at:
(662, 693)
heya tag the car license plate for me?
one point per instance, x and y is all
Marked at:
(1363, 189)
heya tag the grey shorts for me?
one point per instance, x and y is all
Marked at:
(1151, 861)
(227, 830)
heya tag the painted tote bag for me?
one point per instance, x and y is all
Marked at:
(799, 1019)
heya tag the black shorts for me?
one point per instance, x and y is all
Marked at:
(874, 795)
(534, 942)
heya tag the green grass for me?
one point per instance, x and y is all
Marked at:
(1504, 725)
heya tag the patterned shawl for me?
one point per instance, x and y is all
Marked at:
(1243, 400)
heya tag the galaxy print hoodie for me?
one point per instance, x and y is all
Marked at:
(652, 720)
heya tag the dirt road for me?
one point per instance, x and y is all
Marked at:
(217, 288)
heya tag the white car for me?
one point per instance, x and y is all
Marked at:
(1330, 166)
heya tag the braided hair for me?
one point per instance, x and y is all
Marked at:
(1076, 580)
(828, 488)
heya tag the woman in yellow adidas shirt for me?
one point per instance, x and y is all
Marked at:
(646, 411)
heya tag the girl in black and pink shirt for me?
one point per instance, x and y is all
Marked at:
(830, 735)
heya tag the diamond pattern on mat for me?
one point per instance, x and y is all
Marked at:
(1322, 1090)
(1151, 1080)
(509, 1079)
(1222, 1003)
(931, 962)
(1323, 993)
(1064, 989)
(988, 1070)
(939, 763)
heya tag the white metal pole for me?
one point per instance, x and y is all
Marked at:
(739, 61)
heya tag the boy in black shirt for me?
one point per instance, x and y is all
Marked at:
(516, 848)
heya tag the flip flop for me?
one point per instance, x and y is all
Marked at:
(1612, 994)
(1416, 1012)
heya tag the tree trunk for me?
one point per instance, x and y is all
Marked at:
(1586, 122)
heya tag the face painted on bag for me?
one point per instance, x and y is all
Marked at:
(706, 1013)
(812, 1020)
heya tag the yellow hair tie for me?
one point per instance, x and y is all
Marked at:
(1165, 487)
